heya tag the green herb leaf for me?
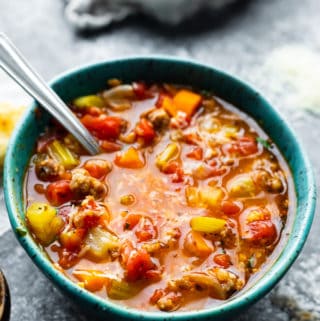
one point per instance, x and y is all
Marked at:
(265, 143)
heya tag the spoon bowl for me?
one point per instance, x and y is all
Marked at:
(16, 66)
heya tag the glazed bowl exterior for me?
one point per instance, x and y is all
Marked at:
(92, 78)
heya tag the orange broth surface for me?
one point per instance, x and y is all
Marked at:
(183, 222)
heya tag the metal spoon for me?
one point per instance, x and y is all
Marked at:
(4, 299)
(12, 62)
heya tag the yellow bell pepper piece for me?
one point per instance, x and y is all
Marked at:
(89, 101)
(171, 152)
(44, 222)
(242, 186)
(192, 196)
(211, 196)
(207, 224)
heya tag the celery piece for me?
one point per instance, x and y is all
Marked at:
(242, 186)
(120, 290)
(62, 154)
(210, 196)
(100, 242)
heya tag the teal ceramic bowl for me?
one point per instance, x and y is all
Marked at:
(92, 78)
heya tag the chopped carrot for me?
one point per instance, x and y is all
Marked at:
(168, 105)
(186, 101)
(222, 260)
(129, 159)
(195, 244)
(196, 153)
(93, 280)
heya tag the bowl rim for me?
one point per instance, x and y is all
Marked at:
(263, 285)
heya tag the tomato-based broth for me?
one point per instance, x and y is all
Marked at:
(186, 202)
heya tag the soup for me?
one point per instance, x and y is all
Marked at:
(185, 203)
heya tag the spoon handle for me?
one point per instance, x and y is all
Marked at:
(12, 62)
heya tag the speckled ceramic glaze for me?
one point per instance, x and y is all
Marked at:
(93, 78)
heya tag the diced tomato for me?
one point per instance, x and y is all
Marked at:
(97, 168)
(59, 192)
(153, 274)
(175, 169)
(230, 208)
(67, 259)
(160, 100)
(140, 90)
(264, 231)
(138, 264)
(131, 221)
(222, 260)
(248, 146)
(71, 240)
(244, 146)
(178, 176)
(157, 295)
(217, 171)
(192, 138)
(145, 230)
(171, 167)
(196, 153)
(103, 126)
(94, 111)
(125, 251)
(109, 147)
(144, 129)
(90, 221)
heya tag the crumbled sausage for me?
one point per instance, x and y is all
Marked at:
(172, 237)
(154, 247)
(47, 169)
(86, 214)
(170, 302)
(218, 282)
(82, 184)
(270, 183)
(159, 118)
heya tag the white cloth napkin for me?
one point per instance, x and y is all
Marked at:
(94, 14)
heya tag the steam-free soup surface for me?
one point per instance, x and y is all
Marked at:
(185, 203)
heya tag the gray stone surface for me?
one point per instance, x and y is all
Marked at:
(238, 40)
